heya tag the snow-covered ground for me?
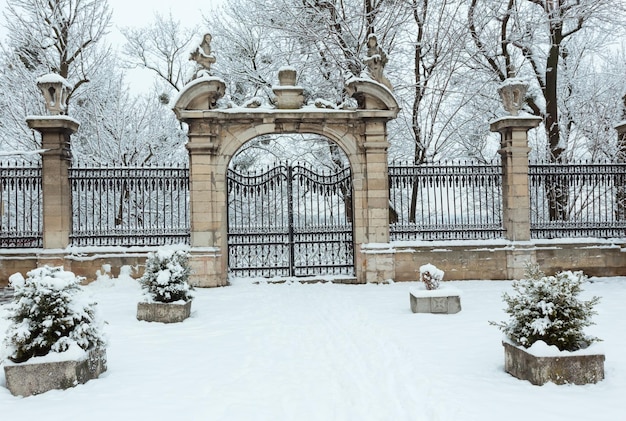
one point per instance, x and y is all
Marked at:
(324, 352)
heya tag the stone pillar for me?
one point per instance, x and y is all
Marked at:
(515, 190)
(208, 263)
(57, 196)
(378, 257)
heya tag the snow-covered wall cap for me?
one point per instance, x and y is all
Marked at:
(290, 68)
(514, 81)
(54, 78)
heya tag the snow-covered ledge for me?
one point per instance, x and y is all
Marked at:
(444, 300)
(55, 371)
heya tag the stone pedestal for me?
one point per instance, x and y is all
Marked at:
(163, 312)
(440, 301)
(57, 195)
(562, 369)
(28, 379)
(515, 192)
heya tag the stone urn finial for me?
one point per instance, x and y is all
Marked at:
(288, 94)
(513, 94)
(287, 76)
(55, 90)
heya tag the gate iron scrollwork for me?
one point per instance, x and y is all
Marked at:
(290, 221)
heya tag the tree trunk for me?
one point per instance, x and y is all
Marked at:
(557, 189)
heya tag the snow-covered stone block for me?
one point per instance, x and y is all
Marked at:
(439, 301)
(163, 312)
(561, 367)
(33, 378)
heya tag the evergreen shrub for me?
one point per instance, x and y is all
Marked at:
(50, 312)
(166, 276)
(547, 308)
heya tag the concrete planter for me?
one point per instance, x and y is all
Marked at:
(439, 301)
(163, 312)
(26, 379)
(559, 369)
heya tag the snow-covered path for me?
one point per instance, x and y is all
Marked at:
(324, 352)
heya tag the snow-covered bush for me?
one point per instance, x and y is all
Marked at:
(431, 276)
(166, 275)
(547, 308)
(50, 313)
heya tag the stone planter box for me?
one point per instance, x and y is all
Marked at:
(163, 312)
(26, 379)
(439, 301)
(575, 368)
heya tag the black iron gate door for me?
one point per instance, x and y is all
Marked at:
(290, 221)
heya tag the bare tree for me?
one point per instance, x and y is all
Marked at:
(541, 40)
(163, 46)
(59, 36)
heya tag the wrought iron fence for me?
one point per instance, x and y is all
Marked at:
(445, 201)
(578, 200)
(130, 206)
(20, 205)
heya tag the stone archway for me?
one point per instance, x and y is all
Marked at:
(290, 215)
(216, 134)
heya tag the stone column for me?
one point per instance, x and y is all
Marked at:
(208, 263)
(57, 196)
(377, 254)
(515, 189)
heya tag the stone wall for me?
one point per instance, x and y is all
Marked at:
(401, 263)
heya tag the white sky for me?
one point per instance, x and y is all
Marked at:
(138, 13)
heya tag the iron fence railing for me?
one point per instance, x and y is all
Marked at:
(445, 201)
(129, 206)
(578, 200)
(20, 205)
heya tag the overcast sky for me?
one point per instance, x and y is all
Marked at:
(138, 13)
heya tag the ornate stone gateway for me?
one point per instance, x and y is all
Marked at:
(290, 220)
(218, 130)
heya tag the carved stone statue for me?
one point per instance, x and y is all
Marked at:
(203, 56)
(376, 61)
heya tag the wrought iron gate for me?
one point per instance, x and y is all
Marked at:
(290, 221)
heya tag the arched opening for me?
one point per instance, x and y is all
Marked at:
(290, 208)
